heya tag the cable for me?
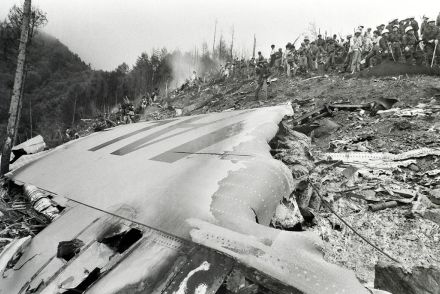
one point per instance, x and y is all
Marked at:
(349, 226)
(127, 219)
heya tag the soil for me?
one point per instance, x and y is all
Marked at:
(400, 231)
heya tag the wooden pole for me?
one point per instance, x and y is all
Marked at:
(17, 90)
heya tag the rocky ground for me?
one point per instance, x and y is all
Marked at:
(409, 183)
(408, 231)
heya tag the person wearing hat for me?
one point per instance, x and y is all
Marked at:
(391, 24)
(384, 45)
(302, 57)
(262, 71)
(431, 37)
(289, 59)
(313, 57)
(424, 23)
(330, 49)
(409, 43)
(347, 53)
(380, 28)
(356, 45)
(320, 42)
(278, 59)
(415, 25)
(395, 39)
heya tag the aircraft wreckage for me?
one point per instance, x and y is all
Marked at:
(171, 206)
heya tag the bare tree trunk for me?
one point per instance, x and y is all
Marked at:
(30, 115)
(232, 43)
(17, 90)
(213, 43)
(74, 111)
(255, 44)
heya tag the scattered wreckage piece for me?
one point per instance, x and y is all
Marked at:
(382, 160)
(208, 182)
(327, 109)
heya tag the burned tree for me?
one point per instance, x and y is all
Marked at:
(17, 90)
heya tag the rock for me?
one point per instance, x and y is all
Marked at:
(398, 280)
(434, 196)
(414, 167)
(326, 128)
(433, 215)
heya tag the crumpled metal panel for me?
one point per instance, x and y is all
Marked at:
(204, 178)
(31, 146)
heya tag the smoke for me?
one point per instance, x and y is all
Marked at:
(183, 65)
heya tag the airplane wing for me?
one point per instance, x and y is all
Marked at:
(171, 206)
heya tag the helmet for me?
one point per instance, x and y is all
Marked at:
(349, 36)
(407, 29)
(358, 31)
(306, 38)
(385, 31)
(395, 26)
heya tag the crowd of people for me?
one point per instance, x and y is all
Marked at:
(399, 41)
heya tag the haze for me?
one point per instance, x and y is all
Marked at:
(106, 33)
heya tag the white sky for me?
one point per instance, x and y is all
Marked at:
(109, 32)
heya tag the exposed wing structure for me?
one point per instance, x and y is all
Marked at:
(199, 184)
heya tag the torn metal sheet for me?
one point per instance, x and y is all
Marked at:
(206, 179)
(31, 146)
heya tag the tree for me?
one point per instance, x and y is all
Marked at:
(15, 17)
(17, 90)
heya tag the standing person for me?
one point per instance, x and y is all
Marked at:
(250, 67)
(308, 54)
(290, 60)
(262, 71)
(380, 28)
(278, 59)
(438, 20)
(423, 25)
(313, 56)
(384, 44)
(391, 24)
(260, 58)
(415, 25)
(356, 49)
(331, 52)
(272, 55)
(375, 50)
(431, 36)
(320, 42)
(302, 58)
(349, 54)
(396, 40)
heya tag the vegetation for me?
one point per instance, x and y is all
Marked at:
(60, 88)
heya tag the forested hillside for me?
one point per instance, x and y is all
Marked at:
(60, 88)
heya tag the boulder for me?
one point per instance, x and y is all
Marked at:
(396, 279)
